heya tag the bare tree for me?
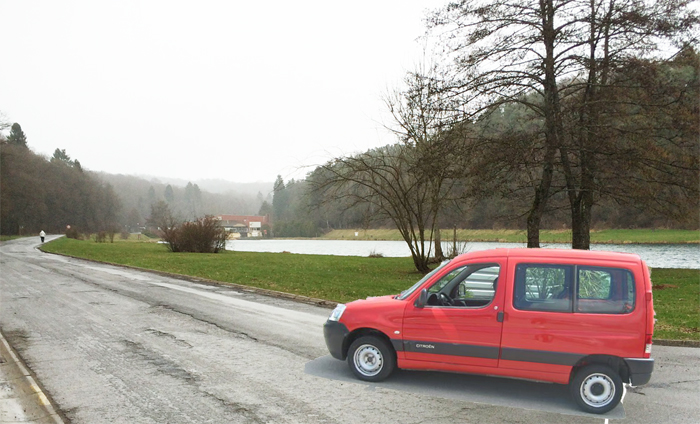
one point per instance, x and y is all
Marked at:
(387, 179)
(646, 148)
(614, 36)
(500, 52)
(4, 124)
(411, 181)
(539, 54)
(422, 121)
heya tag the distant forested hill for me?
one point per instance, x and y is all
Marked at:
(41, 193)
(38, 193)
(186, 199)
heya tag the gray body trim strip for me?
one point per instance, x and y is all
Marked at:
(451, 349)
(488, 352)
(540, 356)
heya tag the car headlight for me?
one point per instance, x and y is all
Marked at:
(337, 312)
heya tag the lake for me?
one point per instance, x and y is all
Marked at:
(656, 255)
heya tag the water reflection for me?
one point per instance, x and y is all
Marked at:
(656, 255)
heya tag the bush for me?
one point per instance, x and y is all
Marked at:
(375, 254)
(124, 235)
(100, 237)
(73, 233)
(200, 236)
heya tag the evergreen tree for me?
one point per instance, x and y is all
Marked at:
(280, 199)
(265, 209)
(17, 135)
(60, 155)
(161, 217)
(190, 201)
(151, 195)
(169, 194)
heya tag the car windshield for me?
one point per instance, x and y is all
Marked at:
(404, 294)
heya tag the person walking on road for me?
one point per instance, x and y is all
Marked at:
(42, 234)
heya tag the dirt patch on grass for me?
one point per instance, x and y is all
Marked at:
(663, 286)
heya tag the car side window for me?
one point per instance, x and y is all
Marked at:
(446, 279)
(551, 288)
(471, 285)
(479, 287)
(540, 287)
(605, 291)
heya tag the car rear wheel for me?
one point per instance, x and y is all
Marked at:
(371, 358)
(596, 388)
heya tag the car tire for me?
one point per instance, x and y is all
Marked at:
(596, 388)
(371, 358)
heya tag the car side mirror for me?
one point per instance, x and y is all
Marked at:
(422, 299)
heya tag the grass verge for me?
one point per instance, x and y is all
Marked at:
(336, 278)
(677, 303)
(651, 236)
(6, 238)
(346, 278)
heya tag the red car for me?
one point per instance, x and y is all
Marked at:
(581, 318)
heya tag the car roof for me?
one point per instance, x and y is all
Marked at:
(553, 254)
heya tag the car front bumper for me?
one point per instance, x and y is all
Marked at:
(336, 334)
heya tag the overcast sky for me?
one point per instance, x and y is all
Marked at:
(237, 90)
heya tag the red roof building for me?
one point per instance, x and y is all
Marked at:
(243, 225)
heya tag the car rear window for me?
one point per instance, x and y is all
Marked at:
(551, 288)
(605, 291)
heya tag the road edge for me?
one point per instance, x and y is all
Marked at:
(28, 386)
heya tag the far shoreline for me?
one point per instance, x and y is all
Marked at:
(627, 236)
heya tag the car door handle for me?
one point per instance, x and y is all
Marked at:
(499, 316)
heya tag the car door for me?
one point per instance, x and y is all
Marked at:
(561, 312)
(466, 329)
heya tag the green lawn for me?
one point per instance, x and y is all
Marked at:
(5, 238)
(346, 278)
(336, 278)
(677, 303)
(546, 236)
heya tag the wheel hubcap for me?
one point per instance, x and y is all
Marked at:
(368, 360)
(597, 390)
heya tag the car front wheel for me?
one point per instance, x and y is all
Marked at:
(596, 388)
(371, 358)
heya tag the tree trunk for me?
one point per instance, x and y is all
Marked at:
(533, 228)
(553, 126)
(454, 240)
(581, 210)
(421, 263)
(438, 245)
(539, 204)
(581, 227)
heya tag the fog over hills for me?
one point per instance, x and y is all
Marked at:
(216, 185)
(137, 193)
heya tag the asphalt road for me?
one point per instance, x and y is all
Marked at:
(115, 345)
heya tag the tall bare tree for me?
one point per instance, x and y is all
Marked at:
(500, 52)
(539, 54)
(613, 37)
(423, 123)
